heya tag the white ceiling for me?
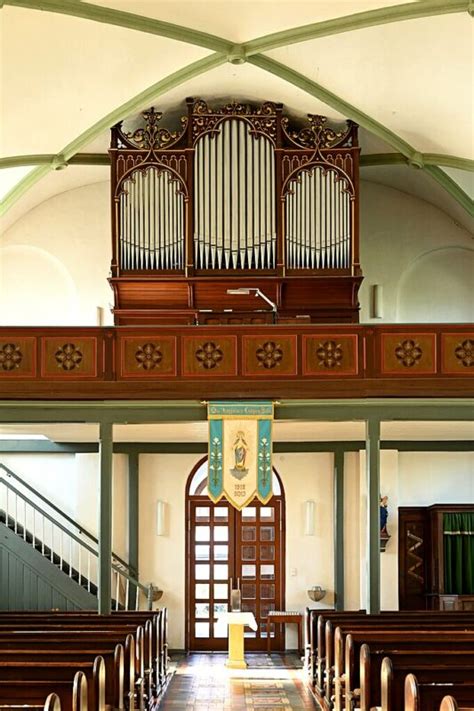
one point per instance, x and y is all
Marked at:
(64, 74)
(283, 431)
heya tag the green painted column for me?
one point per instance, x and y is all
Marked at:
(105, 518)
(133, 493)
(373, 515)
(339, 529)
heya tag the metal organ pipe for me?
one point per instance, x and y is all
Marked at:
(318, 220)
(151, 221)
(234, 205)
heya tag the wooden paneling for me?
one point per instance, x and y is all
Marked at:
(211, 356)
(18, 356)
(145, 357)
(158, 298)
(330, 355)
(269, 356)
(236, 360)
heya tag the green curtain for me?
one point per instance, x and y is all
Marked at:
(458, 529)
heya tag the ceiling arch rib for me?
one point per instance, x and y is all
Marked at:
(357, 21)
(346, 23)
(413, 156)
(135, 104)
(129, 20)
(237, 53)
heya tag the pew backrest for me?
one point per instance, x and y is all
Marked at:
(98, 674)
(79, 692)
(412, 696)
(119, 666)
(52, 703)
(386, 676)
(448, 704)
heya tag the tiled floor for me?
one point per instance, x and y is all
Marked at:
(203, 683)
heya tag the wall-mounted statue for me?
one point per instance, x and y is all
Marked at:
(384, 534)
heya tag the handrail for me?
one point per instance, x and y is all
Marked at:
(48, 517)
(80, 528)
(148, 590)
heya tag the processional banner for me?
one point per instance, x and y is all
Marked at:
(240, 451)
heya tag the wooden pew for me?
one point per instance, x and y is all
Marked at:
(52, 703)
(429, 697)
(50, 675)
(430, 666)
(22, 631)
(450, 704)
(407, 640)
(41, 659)
(360, 618)
(153, 666)
(72, 641)
(332, 667)
(73, 695)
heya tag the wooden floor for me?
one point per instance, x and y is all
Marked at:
(202, 683)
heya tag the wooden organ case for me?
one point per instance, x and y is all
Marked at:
(235, 198)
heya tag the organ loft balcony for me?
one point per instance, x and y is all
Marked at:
(231, 202)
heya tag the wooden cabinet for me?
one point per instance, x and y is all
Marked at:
(421, 565)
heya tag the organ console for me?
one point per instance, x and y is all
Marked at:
(234, 196)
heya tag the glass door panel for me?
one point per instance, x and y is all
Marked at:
(259, 566)
(210, 562)
(226, 546)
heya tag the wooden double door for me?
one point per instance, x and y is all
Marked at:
(226, 548)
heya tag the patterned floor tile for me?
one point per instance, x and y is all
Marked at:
(270, 683)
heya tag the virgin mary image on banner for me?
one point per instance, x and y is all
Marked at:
(240, 461)
(240, 454)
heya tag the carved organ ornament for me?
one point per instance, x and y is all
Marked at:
(235, 191)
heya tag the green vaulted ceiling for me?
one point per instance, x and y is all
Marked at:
(72, 69)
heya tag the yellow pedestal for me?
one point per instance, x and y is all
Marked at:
(236, 658)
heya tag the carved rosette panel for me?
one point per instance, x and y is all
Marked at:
(147, 357)
(17, 357)
(66, 357)
(269, 357)
(408, 353)
(330, 355)
(69, 357)
(457, 354)
(209, 357)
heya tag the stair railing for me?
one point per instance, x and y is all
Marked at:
(64, 548)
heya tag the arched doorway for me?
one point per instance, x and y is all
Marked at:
(224, 546)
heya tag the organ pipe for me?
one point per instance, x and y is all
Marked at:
(318, 221)
(225, 162)
(234, 205)
(151, 221)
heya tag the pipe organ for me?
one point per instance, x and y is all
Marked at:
(235, 196)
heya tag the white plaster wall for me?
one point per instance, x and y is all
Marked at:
(408, 479)
(352, 531)
(397, 230)
(60, 253)
(428, 478)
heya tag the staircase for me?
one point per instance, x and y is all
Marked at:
(49, 561)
